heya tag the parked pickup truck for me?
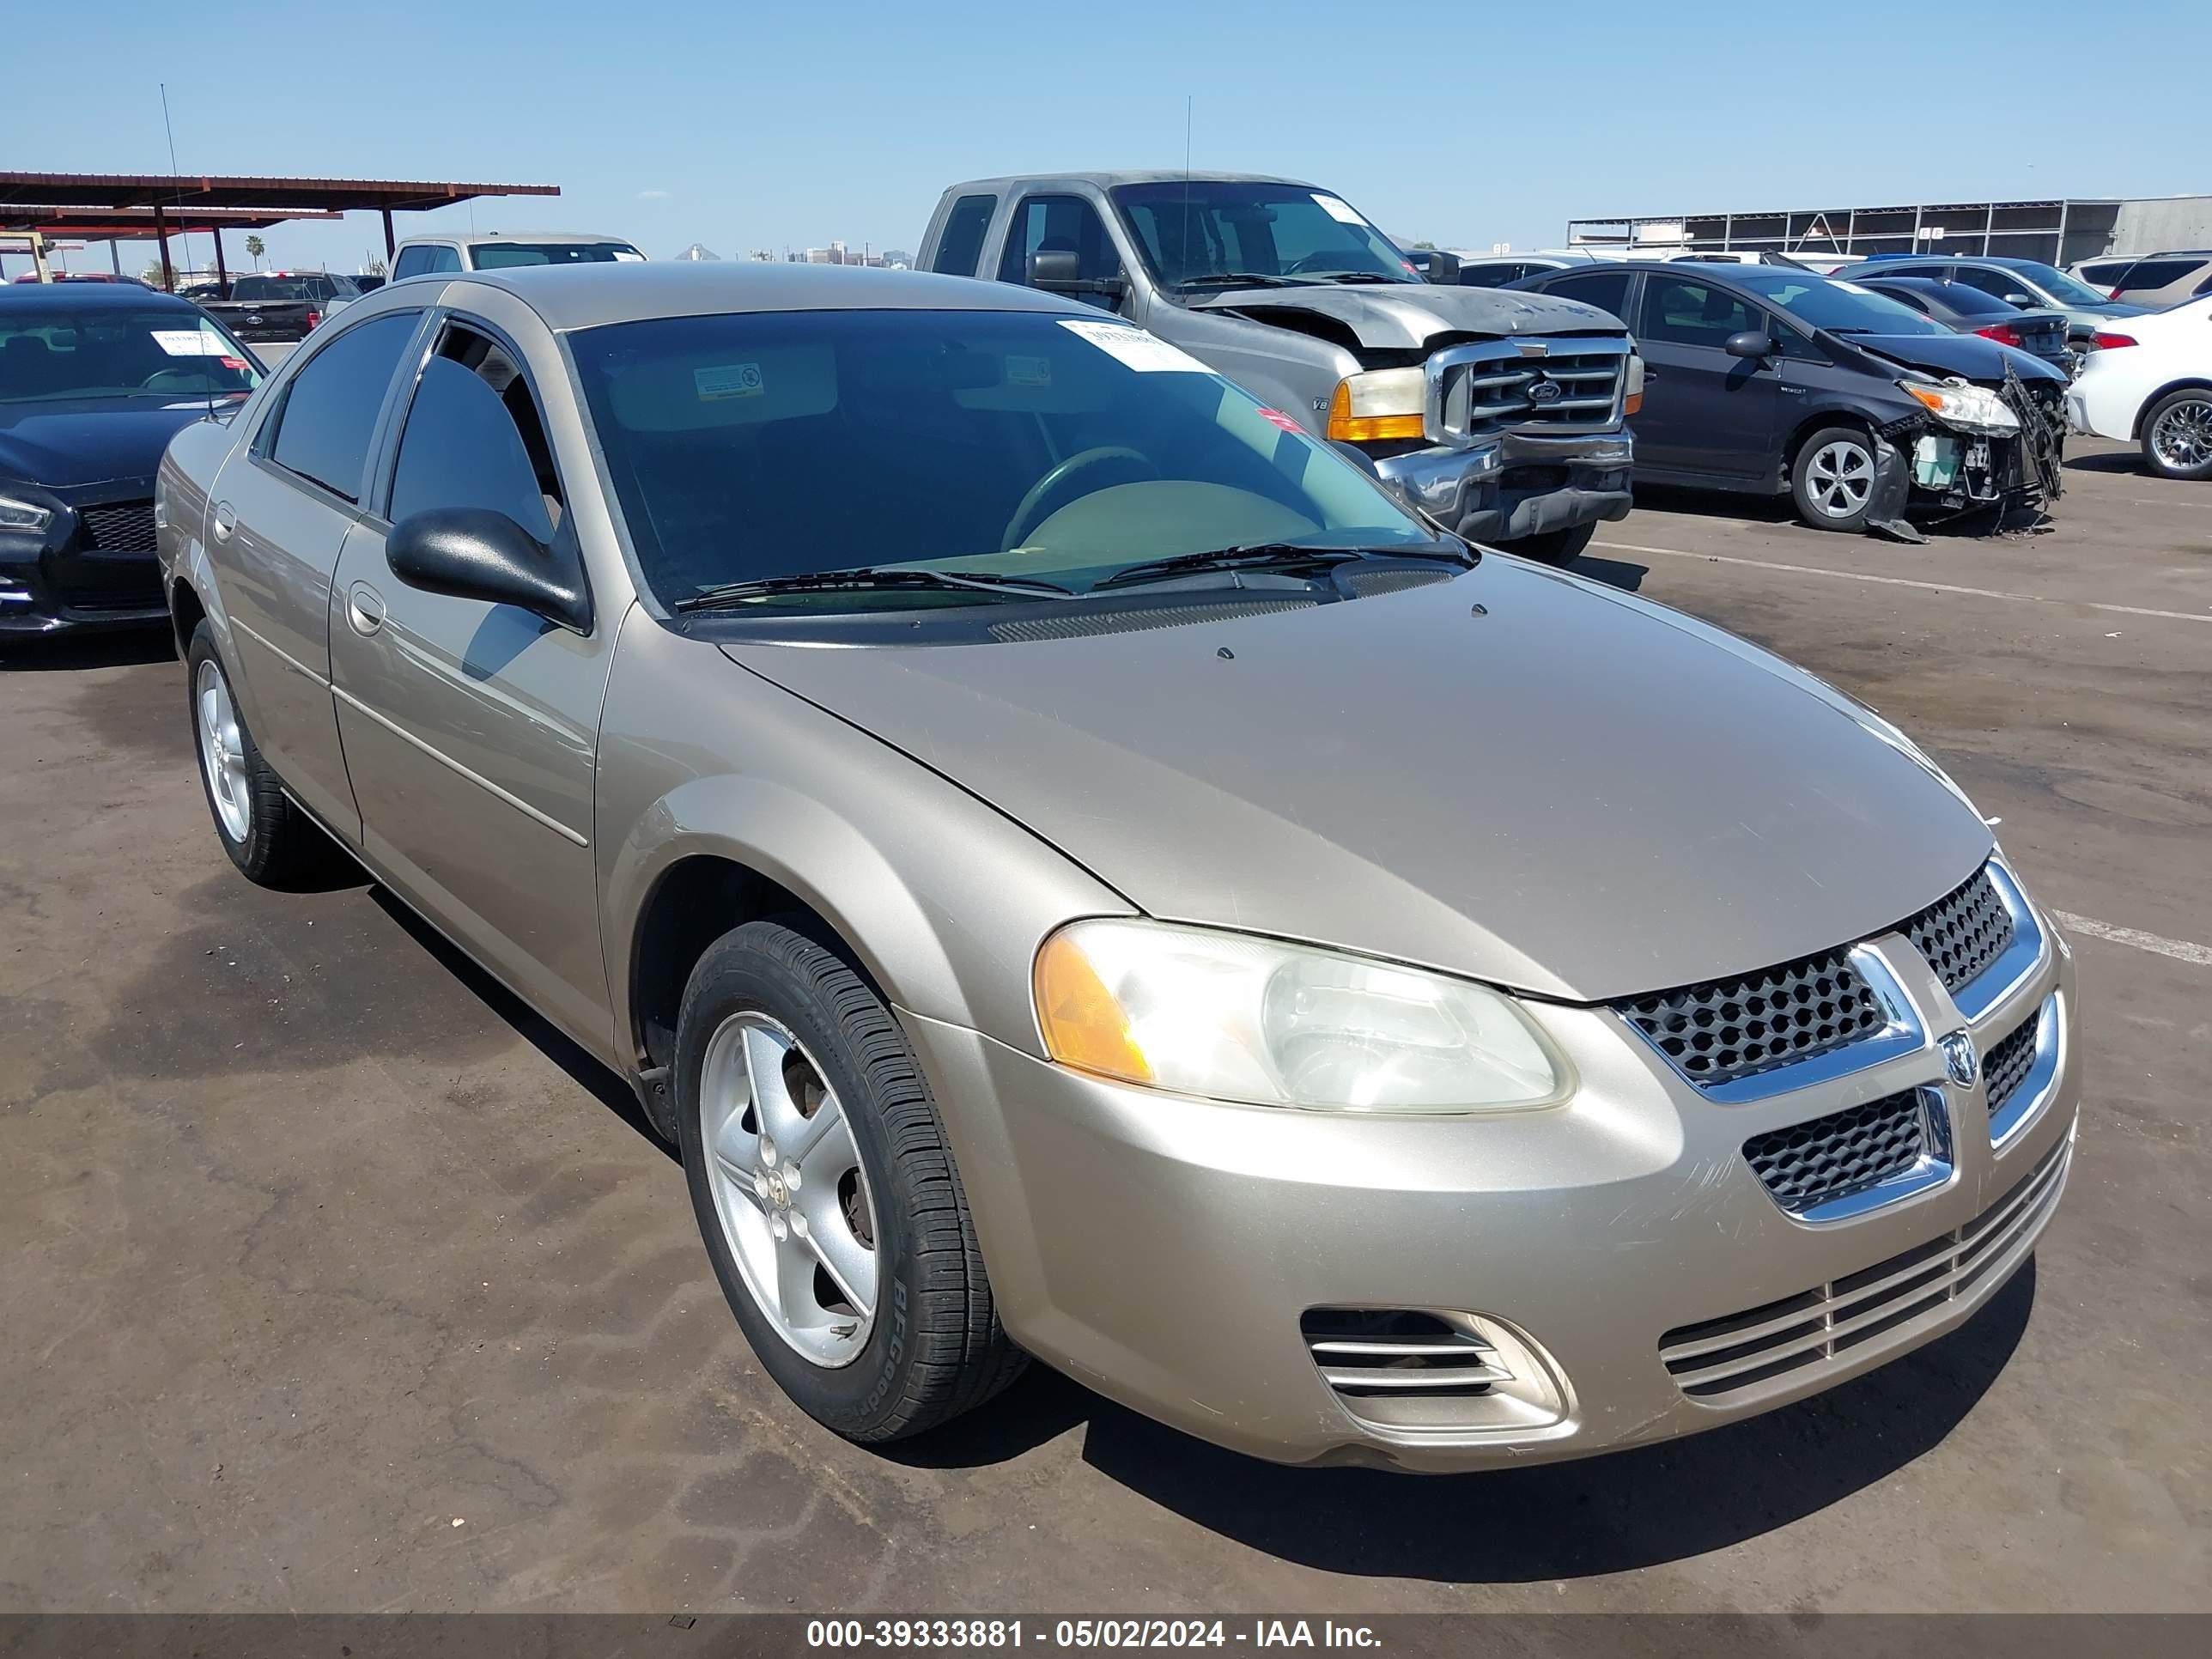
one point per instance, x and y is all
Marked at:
(277, 304)
(1501, 416)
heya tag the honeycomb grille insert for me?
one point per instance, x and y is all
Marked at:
(1809, 1164)
(2007, 1063)
(1962, 934)
(121, 528)
(1728, 1029)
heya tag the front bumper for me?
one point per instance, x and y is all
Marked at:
(1163, 1250)
(1517, 484)
(93, 568)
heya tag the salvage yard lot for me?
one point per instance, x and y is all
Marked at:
(332, 1279)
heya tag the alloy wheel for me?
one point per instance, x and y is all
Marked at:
(793, 1199)
(223, 753)
(1839, 478)
(2182, 435)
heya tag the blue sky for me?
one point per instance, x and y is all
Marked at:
(741, 126)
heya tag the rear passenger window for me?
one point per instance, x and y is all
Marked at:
(2157, 273)
(474, 439)
(1606, 290)
(962, 245)
(330, 407)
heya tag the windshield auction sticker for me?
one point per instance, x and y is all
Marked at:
(1136, 349)
(188, 342)
(1340, 211)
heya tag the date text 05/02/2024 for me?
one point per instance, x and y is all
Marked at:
(975, 1634)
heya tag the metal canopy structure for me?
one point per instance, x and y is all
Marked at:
(171, 203)
(2059, 232)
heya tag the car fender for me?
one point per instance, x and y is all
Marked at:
(2165, 389)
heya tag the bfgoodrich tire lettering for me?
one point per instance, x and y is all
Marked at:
(933, 1347)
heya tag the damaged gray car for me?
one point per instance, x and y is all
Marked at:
(1869, 415)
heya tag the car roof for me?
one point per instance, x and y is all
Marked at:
(586, 295)
(1107, 181)
(483, 238)
(1918, 284)
(92, 296)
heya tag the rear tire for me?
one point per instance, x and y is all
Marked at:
(1554, 547)
(770, 999)
(1832, 480)
(273, 842)
(2177, 435)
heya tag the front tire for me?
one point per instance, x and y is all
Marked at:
(1832, 481)
(825, 1191)
(1554, 547)
(2177, 435)
(271, 842)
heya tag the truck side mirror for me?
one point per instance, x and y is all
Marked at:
(1442, 268)
(1053, 270)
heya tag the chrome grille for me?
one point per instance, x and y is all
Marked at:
(1728, 1029)
(1819, 1328)
(1818, 1162)
(2008, 1061)
(119, 526)
(1964, 932)
(1566, 385)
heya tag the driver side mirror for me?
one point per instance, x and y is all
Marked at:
(1053, 270)
(2025, 301)
(474, 553)
(1752, 343)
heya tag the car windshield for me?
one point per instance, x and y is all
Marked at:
(2066, 291)
(274, 287)
(1206, 231)
(1827, 302)
(500, 256)
(47, 355)
(1004, 446)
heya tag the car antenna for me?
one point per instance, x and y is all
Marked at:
(1187, 99)
(207, 381)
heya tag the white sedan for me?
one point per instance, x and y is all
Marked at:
(2150, 380)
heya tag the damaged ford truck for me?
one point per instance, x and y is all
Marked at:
(1502, 418)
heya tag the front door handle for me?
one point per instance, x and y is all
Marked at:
(364, 608)
(225, 521)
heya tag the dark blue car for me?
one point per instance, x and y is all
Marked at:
(95, 380)
(1776, 381)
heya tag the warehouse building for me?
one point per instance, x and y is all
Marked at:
(2060, 233)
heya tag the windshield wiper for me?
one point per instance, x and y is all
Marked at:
(1238, 279)
(868, 578)
(1366, 277)
(1272, 555)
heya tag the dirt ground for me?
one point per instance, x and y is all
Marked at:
(334, 1280)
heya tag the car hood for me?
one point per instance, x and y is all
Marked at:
(90, 441)
(1515, 775)
(1402, 315)
(1967, 355)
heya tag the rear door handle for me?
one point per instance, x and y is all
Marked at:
(225, 521)
(364, 608)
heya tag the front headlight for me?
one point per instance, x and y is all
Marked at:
(25, 517)
(1230, 1017)
(1968, 408)
(1383, 403)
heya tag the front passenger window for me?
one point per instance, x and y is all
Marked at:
(473, 439)
(1065, 224)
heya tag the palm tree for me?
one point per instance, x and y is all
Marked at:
(256, 247)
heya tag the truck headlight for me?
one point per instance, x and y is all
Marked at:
(1966, 408)
(27, 518)
(1234, 1018)
(1383, 403)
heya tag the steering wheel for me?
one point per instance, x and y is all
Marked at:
(1327, 258)
(1030, 513)
(181, 380)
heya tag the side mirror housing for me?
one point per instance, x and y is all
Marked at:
(1358, 457)
(1752, 343)
(1053, 270)
(1442, 268)
(474, 553)
(2025, 301)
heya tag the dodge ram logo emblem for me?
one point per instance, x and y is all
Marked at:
(1960, 1063)
(1545, 392)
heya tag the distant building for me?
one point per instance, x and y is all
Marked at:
(2061, 233)
(699, 252)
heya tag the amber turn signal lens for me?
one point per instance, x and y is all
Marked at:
(1345, 423)
(1082, 1024)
